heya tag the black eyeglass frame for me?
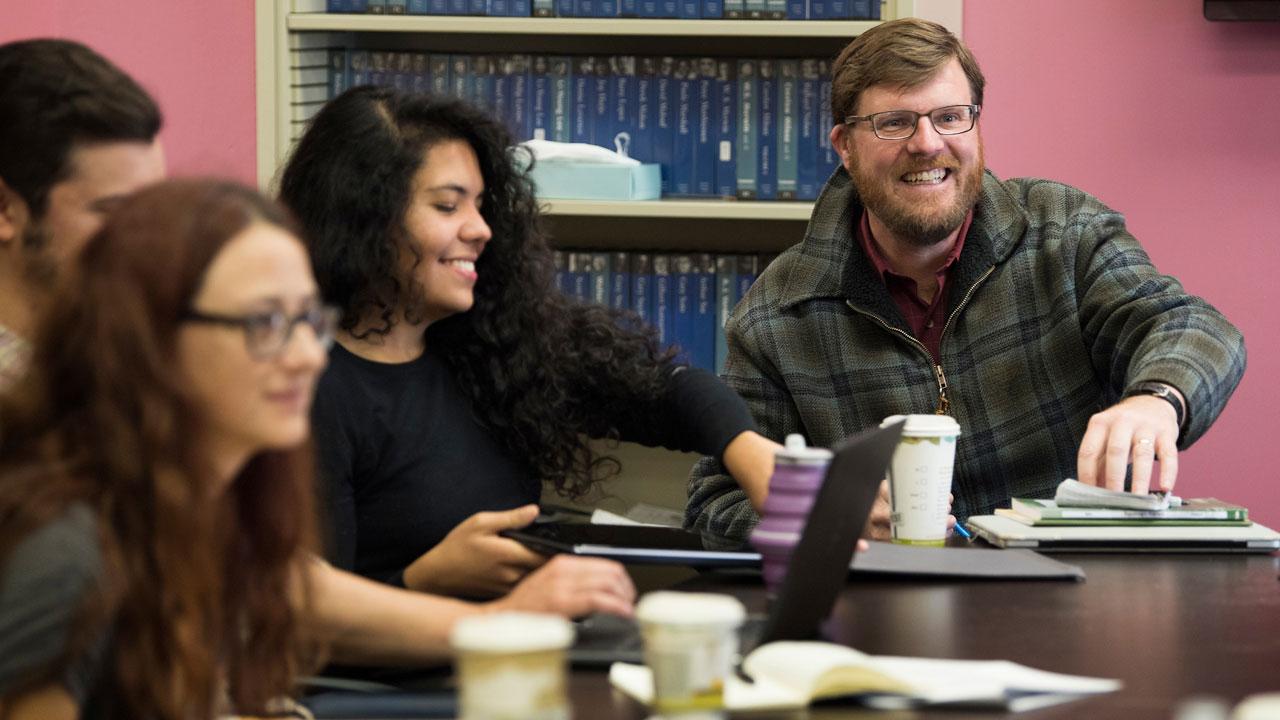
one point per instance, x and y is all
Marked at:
(974, 111)
(325, 314)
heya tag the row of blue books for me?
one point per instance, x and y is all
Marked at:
(750, 128)
(686, 297)
(681, 9)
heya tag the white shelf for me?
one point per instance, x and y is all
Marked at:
(448, 24)
(701, 209)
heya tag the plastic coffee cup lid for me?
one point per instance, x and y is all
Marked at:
(796, 452)
(925, 425)
(511, 632)
(666, 607)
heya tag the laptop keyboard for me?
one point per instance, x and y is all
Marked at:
(603, 639)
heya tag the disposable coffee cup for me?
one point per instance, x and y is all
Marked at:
(920, 478)
(511, 666)
(690, 643)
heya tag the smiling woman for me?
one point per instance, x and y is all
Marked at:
(462, 380)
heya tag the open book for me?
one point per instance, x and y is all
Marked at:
(793, 674)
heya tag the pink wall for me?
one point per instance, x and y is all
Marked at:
(194, 56)
(1085, 92)
(1079, 91)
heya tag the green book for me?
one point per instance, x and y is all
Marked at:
(1196, 511)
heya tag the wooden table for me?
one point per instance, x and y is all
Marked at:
(1168, 626)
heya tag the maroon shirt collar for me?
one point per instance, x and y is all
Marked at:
(881, 265)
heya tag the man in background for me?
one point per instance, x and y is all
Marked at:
(1023, 308)
(76, 135)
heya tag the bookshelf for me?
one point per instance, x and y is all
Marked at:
(292, 42)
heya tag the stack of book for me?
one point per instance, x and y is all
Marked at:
(1079, 504)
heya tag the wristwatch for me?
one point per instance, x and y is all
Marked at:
(1162, 391)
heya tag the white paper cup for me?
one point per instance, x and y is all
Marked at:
(920, 478)
(690, 642)
(511, 666)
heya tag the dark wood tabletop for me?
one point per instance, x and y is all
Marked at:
(1169, 626)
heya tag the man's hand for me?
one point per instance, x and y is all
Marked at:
(1138, 430)
(879, 526)
(573, 586)
(473, 560)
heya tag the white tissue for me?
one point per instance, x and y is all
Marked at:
(549, 151)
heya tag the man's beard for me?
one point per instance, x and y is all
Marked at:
(912, 223)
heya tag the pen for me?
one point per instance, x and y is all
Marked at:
(963, 532)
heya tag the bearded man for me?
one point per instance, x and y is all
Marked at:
(924, 284)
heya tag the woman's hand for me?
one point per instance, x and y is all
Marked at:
(474, 561)
(573, 586)
(749, 459)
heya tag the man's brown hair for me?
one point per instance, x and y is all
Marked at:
(900, 53)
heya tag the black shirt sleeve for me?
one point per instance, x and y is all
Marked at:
(335, 468)
(45, 582)
(697, 412)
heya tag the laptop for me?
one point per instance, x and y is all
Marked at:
(638, 544)
(1006, 533)
(819, 565)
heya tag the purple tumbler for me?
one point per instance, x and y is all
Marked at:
(797, 474)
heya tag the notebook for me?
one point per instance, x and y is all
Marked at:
(637, 544)
(819, 565)
(1007, 533)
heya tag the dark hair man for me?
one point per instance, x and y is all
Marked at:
(76, 135)
(924, 283)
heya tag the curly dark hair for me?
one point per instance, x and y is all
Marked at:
(191, 585)
(542, 372)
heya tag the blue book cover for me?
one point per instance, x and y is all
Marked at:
(619, 281)
(641, 272)
(788, 111)
(735, 9)
(339, 74)
(379, 68)
(437, 7)
(713, 9)
(726, 270)
(541, 8)
(642, 136)
(622, 104)
(756, 9)
(649, 8)
(767, 118)
(540, 98)
(705, 130)
(797, 9)
(669, 8)
(561, 99)
(598, 277)
(358, 63)
(358, 6)
(335, 6)
(748, 132)
(664, 98)
(861, 9)
(807, 124)
(690, 9)
(521, 8)
(501, 108)
(607, 8)
(683, 280)
(421, 77)
(396, 7)
(561, 260)
(457, 7)
(703, 337)
(838, 9)
(497, 8)
(726, 90)
(482, 82)
(517, 71)
(402, 70)
(775, 9)
(584, 8)
(818, 10)
(579, 276)
(682, 152)
(460, 76)
(565, 8)
(476, 7)
(601, 121)
(629, 8)
(439, 75)
(663, 299)
(419, 7)
(875, 9)
(377, 7)
(584, 71)
(827, 155)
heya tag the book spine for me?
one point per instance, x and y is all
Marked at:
(622, 102)
(705, 131)
(713, 9)
(379, 64)
(521, 102)
(561, 99)
(396, 7)
(690, 9)
(827, 153)
(521, 8)
(460, 76)
(748, 270)
(837, 9)
(358, 62)
(797, 9)
(339, 75)
(642, 138)
(726, 269)
(561, 260)
(663, 297)
(861, 9)
(457, 7)
(748, 132)
(629, 8)
(767, 148)
(1112, 514)
(704, 312)
(598, 278)
(402, 70)
(376, 7)
(755, 9)
(476, 7)
(669, 8)
(807, 126)
(818, 10)
(565, 8)
(580, 275)
(482, 82)
(682, 154)
(735, 9)
(648, 9)
(436, 7)
(642, 286)
(543, 8)
(584, 67)
(664, 120)
(501, 108)
(540, 98)
(497, 8)
(775, 9)
(726, 90)
(421, 76)
(584, 8)
(601, 120)
(619, 281)
(683, 279)
(439, 75)
(788, 131)
(607, 8)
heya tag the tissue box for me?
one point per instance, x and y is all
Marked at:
(588, 181)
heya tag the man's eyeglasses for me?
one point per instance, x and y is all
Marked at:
(902, 124)
(267, 334)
